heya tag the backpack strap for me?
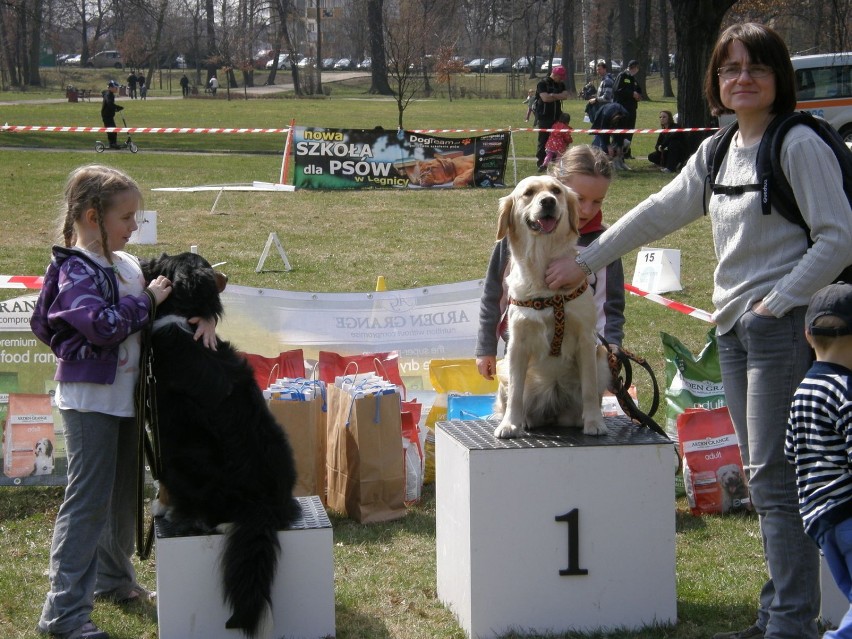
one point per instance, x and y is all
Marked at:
(716, 150)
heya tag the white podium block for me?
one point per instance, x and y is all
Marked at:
(657, 270)
(190, 602)
(835, 605)
(146, 233)
(557, 531)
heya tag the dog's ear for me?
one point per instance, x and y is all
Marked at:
(49, 448)
(507, 203)
(573, 210)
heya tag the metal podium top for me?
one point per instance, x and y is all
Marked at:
(313, 516)
(479, 435)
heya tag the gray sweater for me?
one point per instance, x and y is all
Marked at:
(758, 256)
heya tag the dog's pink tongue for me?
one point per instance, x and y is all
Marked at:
(547, 224)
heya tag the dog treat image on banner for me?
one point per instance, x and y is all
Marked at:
(223, 458)
(28, 436)
(554, 372)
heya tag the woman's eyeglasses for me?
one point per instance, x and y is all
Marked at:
(755, 71)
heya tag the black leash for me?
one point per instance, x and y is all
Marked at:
(149, 446)
(622, 377)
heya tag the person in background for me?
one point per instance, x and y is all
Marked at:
(131, 85)
(605, 90)
(610, 116)
(627, 92)
(819, 437)
(108, 110)
(669, 152)
(588, 172)
(530, 102)
(143, 87)
(560, 139)
(549, 94)
(767, 270)
(184, 85)
(214, 85)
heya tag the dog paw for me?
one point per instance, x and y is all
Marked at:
(507, 431)
(594, 427)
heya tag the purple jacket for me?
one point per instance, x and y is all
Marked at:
(80, 316)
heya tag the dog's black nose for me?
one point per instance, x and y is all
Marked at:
(548, 202)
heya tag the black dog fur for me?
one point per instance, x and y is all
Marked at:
(224, 458)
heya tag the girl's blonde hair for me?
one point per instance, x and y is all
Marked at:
(94, 186)
(582, 159)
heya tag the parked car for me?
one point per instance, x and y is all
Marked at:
(344, 64)
(106, 59)
(546, 66)
(524, 64)
(304, 62)
(366, 64)
(327, 63)
(283, 62)
(68, 59)
(614, 65)
(477, 65)
(498, 65)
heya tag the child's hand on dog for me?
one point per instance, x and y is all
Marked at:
(161, 287)
(205, 331)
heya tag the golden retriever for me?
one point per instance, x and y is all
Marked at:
(438, 170)
(542, 381)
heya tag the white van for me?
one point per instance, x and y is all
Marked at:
(106, 59)
(824, 88)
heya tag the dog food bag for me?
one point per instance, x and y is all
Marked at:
(712, 467)
(28, 436)
(691, 381)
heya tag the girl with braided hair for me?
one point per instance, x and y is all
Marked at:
(93, 303)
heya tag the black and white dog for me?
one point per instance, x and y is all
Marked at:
(224, 458)
(44, 463)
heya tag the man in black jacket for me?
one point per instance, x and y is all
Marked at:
(627, 93)
(549, 94)
(108, 110)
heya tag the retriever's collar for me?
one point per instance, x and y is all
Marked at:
(181, 322)
(557, 303)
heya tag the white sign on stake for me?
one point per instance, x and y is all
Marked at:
(273, 237)
(146, 233)
(657, 270)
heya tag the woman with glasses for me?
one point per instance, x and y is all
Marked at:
(765, 274)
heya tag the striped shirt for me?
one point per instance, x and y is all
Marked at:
(819, 445)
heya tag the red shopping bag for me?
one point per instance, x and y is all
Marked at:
(267, 369)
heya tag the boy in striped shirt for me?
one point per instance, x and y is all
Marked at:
(819, 436)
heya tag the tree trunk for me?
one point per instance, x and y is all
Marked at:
(698, 23)
(379, 66)
(211, 38)
(665, 69)
(568, 45)
(35, 24)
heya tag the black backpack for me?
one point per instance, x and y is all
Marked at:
(773, 184)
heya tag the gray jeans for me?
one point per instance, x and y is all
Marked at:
(763, 359)
(93, 537)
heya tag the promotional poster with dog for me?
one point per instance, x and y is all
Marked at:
(32, 446)
(376, 158)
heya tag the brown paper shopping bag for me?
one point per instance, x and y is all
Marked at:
(304, 421)
(366, 474)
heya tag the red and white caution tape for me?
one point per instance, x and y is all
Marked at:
(20, 281)
(676, 306)
(7, 128)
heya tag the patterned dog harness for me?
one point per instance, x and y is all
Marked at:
(557, 302)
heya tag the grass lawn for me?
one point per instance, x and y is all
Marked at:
(341, 241)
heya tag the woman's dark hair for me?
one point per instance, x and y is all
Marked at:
(764, 46)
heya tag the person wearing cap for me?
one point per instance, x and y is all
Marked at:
(819, 437)
(549, 94)
(627, 93)
(108, 110)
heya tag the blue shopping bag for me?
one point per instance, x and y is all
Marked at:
(465, 406)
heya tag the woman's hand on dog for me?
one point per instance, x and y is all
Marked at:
(161, 287)
(487, 366)
(205, 331)
(563, 272)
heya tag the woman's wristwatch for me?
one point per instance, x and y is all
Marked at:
(583, 266)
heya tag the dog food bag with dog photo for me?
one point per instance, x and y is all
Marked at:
(691, 381)
(712, 467)
(28, 436)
